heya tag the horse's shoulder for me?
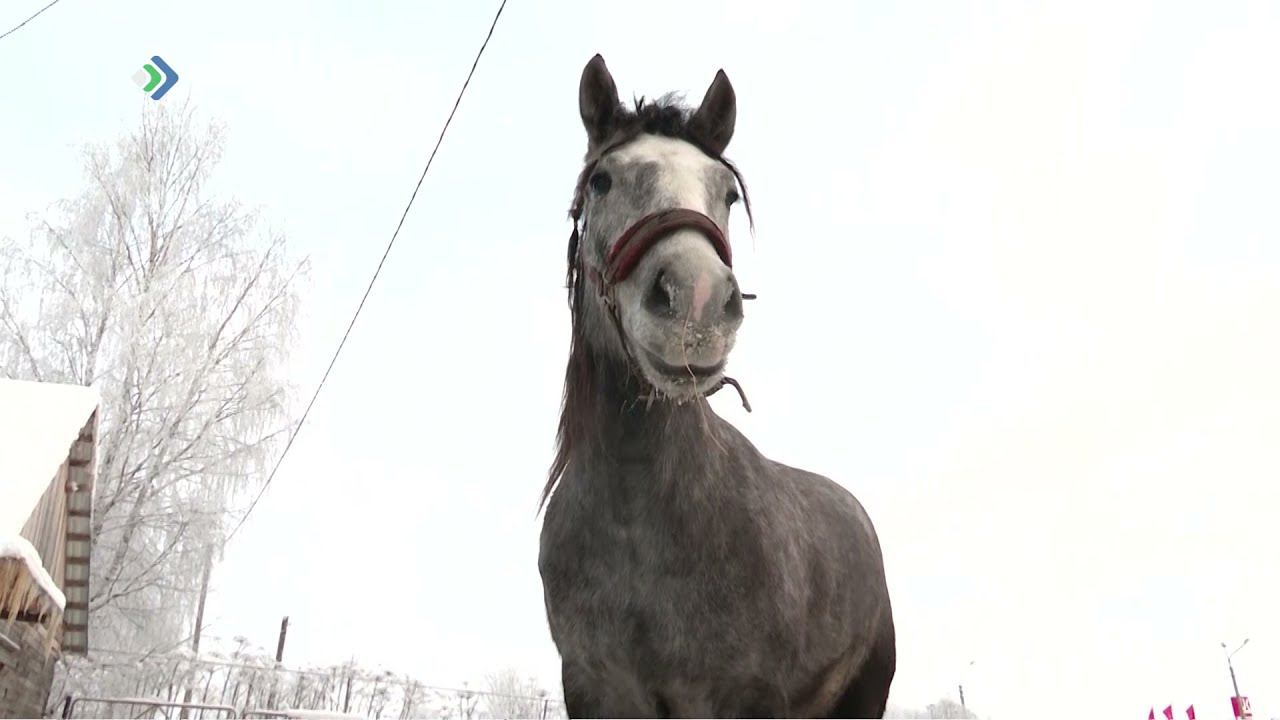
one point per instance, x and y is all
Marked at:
(819, 497)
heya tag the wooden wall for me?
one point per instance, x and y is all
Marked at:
(25, 674)
(46, 527)
(58, 528)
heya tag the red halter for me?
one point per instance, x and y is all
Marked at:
(646, 232)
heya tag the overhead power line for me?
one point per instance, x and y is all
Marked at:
(376, 272)
(17, 27)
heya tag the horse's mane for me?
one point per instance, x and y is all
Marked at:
(666, 117)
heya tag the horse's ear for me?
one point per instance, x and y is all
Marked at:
(714, 119)
(598, 101)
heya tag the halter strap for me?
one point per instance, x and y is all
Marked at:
(648, 230)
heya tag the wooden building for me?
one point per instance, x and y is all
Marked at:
(48, 436)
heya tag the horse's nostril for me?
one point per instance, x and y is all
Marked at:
(658, 299)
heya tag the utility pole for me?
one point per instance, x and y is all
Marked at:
(965, 710)
(195, 635)
(1234, 685)
(204, 594)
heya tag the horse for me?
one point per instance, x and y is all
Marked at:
(684, 573)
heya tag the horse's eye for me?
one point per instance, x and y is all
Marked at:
(731, 197)
(600, 182)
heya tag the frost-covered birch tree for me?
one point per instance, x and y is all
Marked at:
(180, 309)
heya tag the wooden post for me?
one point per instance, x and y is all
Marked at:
(275, 675)
(284, 629)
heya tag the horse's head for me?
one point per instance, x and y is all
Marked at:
(650, 267)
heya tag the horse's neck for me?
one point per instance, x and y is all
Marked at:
(652, 451)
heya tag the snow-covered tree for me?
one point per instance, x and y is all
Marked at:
(513, 696)
(943, 708)
(180, 309)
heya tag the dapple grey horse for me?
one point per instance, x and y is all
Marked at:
(684, 573)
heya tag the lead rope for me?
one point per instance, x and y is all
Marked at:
(746, 405)
(726, 380)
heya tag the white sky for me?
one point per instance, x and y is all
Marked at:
(1019, 275)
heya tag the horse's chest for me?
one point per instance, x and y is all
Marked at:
(650, 594)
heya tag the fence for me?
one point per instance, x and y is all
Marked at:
(253, 683)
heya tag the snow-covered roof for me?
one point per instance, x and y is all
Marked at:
(15, 548)
(38, 424)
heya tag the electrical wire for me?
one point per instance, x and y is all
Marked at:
(17, 27)
(376, 272)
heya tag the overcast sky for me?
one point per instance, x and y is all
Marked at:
(1019, 279)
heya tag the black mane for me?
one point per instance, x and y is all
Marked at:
(665, 116)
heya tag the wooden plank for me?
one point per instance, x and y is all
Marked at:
(26, 616)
